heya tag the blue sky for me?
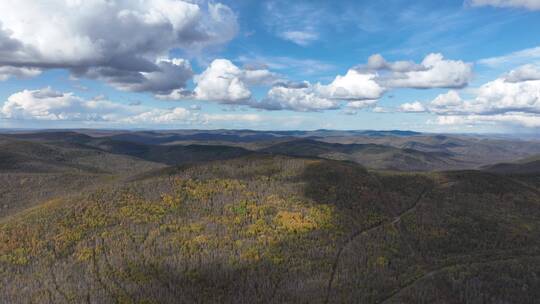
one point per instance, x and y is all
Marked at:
(436, 66)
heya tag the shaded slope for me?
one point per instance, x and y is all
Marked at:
(157, 138)
(173, 154)
(60, 156)
(530, 165)
(70, 147)
(33, 157)
(55, 136)
(470, 151)
(31, 172)
(369, 155)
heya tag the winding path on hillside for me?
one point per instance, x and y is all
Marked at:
(395, 220)
(356, 234)
(444, 268)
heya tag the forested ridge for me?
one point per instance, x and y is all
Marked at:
(279, 229)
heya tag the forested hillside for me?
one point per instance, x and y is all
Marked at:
(276, 229)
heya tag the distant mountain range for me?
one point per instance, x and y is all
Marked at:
(389, 150)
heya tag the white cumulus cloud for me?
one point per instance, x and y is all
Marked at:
(377, 62)
(495, 97)
(47, 104)
(302, 98)
(524, 73)
(362, 86)
(513, 99)
(50, 105)
(118, 41)
(353, 86)
(225, 82)
(413, 107)
(59, 107)
(450, 102)
(433, 72)
(221, 81)
(358, 89)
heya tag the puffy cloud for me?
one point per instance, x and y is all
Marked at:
(226, 83)
(362, 86)
(65, 32)
(221, 81)
(494, 97)
(302, 38)
(450, 102)
(524, 73)
(353, 86)
(377, 62)
(123, 48)
(47, 104)
(162, 116)
(61, 108)
(358, 89)
(528, 4)
(259, 76)
(513, 99)
(353, 107)
(433, 72)
(413, 107)
(502, 96)
(304, 98)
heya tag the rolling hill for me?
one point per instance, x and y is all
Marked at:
(370, 155)
(42, 165)
(169, 154)
(529, 165)
(277, 229)
(472, 151)
(34, 171)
